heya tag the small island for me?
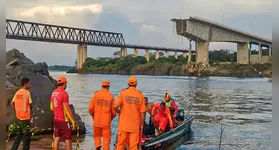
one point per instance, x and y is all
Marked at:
(221, 63)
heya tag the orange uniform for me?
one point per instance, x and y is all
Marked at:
(163, 117)
(131, 102)
(102, 112)
(22, 101)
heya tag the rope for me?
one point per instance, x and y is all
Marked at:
(78, 148)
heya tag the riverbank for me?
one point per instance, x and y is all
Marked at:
(172, 67)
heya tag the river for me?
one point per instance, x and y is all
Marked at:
(244, 106)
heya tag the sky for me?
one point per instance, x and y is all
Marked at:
(142, 22)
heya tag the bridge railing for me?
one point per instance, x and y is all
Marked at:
(23, 30)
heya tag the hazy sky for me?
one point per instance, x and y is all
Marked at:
(145, 22)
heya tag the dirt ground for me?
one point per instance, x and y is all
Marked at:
(41, 142)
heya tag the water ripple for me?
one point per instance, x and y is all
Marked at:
(244, 105)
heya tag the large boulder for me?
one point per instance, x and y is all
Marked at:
(19, 66)
(16, 58)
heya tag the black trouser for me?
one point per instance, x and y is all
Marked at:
(23, 133)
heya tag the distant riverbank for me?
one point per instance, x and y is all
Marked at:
(169, 67)
(60, 67)
(228, 70)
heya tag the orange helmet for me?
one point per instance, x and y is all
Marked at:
(106, 83)
(62, 80)
(132, 81)
(167, 97)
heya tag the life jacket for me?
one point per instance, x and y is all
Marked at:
(170, 106)
(22, 106)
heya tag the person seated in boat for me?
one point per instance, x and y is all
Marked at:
(162, 117)
(149, 128)
(148, 106)
(172, 106)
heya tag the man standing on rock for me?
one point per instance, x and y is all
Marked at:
(102, 111)
(131, 115)
(21, 104)
(59, 104)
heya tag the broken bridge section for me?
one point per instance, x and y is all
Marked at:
(204, 31)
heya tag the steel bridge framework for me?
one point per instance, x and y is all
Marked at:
(23, 30)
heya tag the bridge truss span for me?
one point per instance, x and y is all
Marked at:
(22, 30)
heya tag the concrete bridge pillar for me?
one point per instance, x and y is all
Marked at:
(147, 54)
(202, 52)
(136, 52)
(157, 54)
(176, 55)
(250, 52)
(167, 54)
(81, 55)
(184, 55)
(269, 50)
(123, 52)
(260, 53)
(189, 56)
(242, 53)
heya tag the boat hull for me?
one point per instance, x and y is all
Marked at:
(169, 136)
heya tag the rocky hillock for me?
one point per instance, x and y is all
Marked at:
(19, 66)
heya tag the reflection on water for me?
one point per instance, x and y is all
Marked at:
(243, 105)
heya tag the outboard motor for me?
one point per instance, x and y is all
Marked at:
(180, 115)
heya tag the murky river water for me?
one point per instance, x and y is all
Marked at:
(243, 105)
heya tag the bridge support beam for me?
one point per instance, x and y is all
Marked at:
(81, 55)
(269, 50)
(202, 52)
(167, 54)
(147, 54)
(136, 52)
(250, 53)
(260, 53)
(184, 55)
(123, 52)
(242, 53)
(176, 55)
(189, 56)
(157, 54)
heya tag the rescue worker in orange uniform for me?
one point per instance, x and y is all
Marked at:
(172, 106)
(21, 104)
(131, 108)
(149, 107)
(59, 104)
(102, 111)
(162, 116)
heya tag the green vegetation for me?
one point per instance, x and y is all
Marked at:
(129, 61)
(223, 55)
(113, 63)
(170, 66)
(60, 67)
(118, 63)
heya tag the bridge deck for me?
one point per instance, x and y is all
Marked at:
(219, 25)
(23, 30)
